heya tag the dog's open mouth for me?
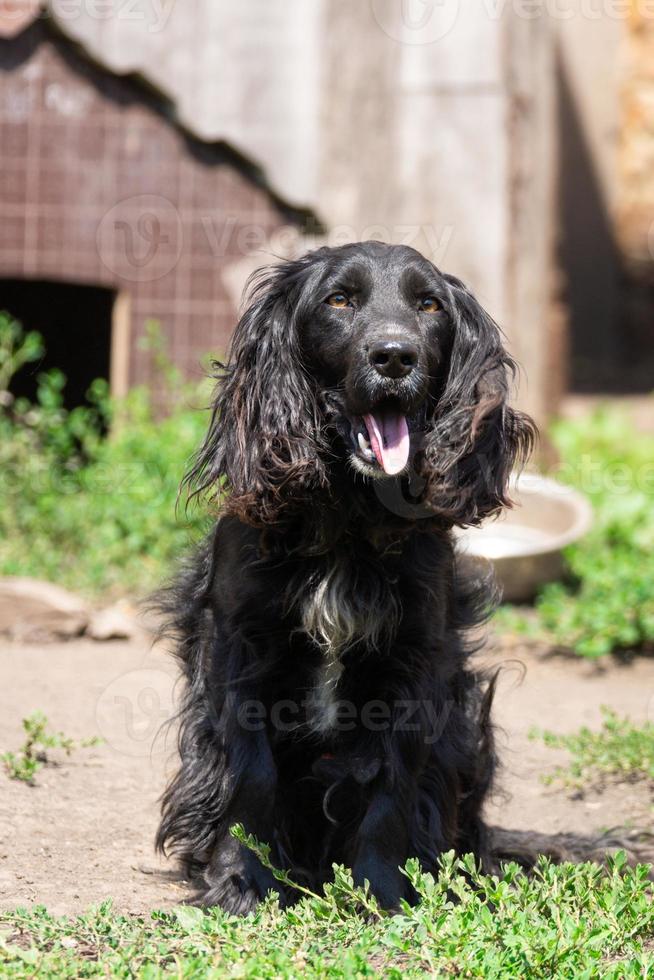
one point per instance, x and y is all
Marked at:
(382, 438)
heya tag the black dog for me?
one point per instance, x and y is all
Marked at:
(328, 705)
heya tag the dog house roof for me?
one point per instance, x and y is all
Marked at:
(239, 73)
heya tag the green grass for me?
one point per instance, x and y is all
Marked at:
(576, 921)
(619, 750)
(25, 763)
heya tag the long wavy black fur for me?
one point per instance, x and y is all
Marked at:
(301, 535)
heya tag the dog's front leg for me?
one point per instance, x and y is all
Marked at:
(381, 849)
(382, 843)
(235, 878)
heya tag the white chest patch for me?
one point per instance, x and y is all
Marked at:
(328, 614)
(337, 613)
(330, 621)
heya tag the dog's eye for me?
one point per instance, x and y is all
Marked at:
(339, 300)
(428, 304)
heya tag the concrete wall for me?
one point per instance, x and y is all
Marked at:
(588, 78)
(406, 120)
(439, 132)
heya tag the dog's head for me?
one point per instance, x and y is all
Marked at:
(368, 353)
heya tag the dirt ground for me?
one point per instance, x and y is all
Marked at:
(84, 833)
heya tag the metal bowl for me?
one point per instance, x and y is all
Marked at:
(525, 544)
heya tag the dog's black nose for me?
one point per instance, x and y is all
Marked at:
(393, 358)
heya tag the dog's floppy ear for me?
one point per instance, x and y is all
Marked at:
(475, 438)
(262, 452)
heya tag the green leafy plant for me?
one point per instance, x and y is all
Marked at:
(341, 892)
(606, 604)
(568, 921)
(17, 348)
(33, 753)
(69, 491)
(618, 750)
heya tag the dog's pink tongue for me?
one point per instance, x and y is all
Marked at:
(389, 438)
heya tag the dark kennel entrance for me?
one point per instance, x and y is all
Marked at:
(76, 325)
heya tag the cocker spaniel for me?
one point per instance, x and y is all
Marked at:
(330, 706)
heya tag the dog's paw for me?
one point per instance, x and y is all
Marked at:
(385, 882)
(236, 894)
(237, 882)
